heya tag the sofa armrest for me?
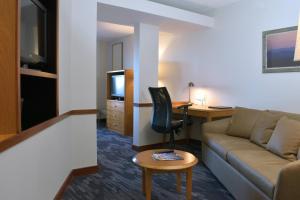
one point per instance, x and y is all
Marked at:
(218, 126)
(288, 184)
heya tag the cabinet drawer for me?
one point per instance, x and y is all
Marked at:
(115, 105)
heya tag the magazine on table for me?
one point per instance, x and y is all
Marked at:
(166, 156)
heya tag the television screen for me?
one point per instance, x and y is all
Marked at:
(117, 86)
(33, 32)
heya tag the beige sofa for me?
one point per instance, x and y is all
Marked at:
(249, 171)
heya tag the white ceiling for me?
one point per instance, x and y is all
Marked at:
(109, 31)
(199, 6)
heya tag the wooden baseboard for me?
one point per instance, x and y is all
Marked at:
(195, 142)
(158, 145)
(164, 145)
(73, 174)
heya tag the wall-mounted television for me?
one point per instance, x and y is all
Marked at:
(33, 32)
(117, 89)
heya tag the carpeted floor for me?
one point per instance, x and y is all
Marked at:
(120, 179)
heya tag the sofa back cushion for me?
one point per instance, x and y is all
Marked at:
(285, 140)
(289, 115)
(299, 154)
(242, 122)
(264, 128)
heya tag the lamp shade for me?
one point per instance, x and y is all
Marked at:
(297, 50)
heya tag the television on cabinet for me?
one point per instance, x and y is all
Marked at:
(117, 86)
(33, 33)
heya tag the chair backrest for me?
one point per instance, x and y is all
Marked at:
(162, 109)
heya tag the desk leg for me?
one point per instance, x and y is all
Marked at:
(148, 183)
(189, 184)
(178, 181)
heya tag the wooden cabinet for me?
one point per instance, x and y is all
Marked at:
(120, 110)
(28, 94)
(115, 115)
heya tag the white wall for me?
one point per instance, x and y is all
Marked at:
(227, 60)
(36, 168)
(127, 51)
(102, 68)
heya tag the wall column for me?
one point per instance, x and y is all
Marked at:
(146, 49)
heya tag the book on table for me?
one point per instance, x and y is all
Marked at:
(166, 156)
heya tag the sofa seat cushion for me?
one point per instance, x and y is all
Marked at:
(222, 144)
(259, 167)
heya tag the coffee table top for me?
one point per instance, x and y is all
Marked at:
(144, 159)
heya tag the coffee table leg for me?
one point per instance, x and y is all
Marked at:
(178, 181)
(189, 184)
(148, 183)
(144, 181)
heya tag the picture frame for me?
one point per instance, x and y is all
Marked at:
(279, 49)
(117, 56)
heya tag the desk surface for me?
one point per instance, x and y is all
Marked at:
(205, 112)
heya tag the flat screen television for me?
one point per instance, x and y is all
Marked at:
(33, 32)
(117, 86)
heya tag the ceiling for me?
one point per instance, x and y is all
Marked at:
(109, 31)
(198, 6)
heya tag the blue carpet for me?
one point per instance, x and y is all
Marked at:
(119, 179)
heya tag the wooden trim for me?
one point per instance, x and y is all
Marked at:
(176, 103)
(73, 174)
(84, 112)
(36, 73)
(142, 105)
(157, 145)
(18, 138)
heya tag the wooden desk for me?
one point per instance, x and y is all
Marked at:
(204, 112)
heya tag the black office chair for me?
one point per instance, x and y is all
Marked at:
(162, 121)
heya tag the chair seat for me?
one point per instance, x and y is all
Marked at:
(176, 124)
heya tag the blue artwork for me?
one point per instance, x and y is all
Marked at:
(279, 50)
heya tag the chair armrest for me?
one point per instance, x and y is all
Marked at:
(218, 126)
(288, 183)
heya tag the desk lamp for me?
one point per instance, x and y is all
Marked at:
(297, 50)
(191, 84)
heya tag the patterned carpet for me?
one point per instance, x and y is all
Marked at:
(120, 179)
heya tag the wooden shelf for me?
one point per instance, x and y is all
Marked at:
(5, 136)
(36, 73)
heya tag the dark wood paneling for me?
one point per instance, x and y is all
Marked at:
(140, 105)
(9, 62)
(158, 145)
(84, 112)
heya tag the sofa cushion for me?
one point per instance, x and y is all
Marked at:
(243, 121)
(298, 154)
(264, 128)
(222, 144)
(285, 140)
(259, 167)
(289, 115)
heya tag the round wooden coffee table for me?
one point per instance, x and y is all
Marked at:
(150, 166)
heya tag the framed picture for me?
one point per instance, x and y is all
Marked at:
(279, 50)
(117, 56)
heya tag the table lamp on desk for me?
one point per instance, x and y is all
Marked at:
(297, 50)
(191, 84)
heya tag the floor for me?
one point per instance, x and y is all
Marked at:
(120, 179)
